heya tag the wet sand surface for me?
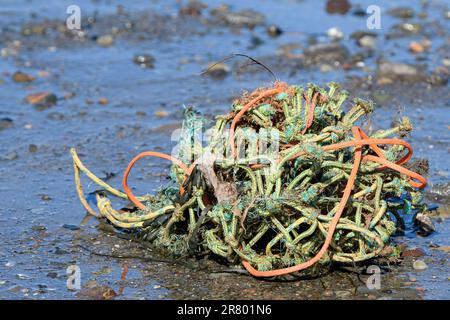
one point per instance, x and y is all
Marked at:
(111, 108)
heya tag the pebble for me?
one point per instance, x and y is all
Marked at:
(6, 123)
(342, 294)
(42, 100)
(38, 228)
(97, 292)
(401, 12)
(416, 252)
(217, 71)
(274, 31)
(32, 148)
(144, 61)
(193, 8)
(245, 18)
(105, 41)
(400, 71)
(425, 224)
(22, 276)
(103, 101)
(367, 41)
(419, 265)
(416, 47)
(9, 156)
(71, 227)
(446, 62)
(21, 77)
(335, 33)
(326, 52)
(443, 248)
(328, 293)
(161, 114)
(338, 6)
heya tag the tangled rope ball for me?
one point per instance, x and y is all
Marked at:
(317, 191)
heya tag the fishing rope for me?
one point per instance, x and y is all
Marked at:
(313, 203)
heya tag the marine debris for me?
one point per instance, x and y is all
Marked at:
(286, 184)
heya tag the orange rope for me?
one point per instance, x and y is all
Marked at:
(130, 194)
(312, 106)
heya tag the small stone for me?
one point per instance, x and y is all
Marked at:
(103, 271)
(193, 8)
(274, 31)
(103, 101)
(144, 61)
(412, 279)
(367, 41)
(38, 228)
(443, 248)
(22, 276)
(45, 197)
(400, 71)
(326, 53)
(338, 6)
(325, 68)
(21, 77)
(416, 252)
(97, 292)
(416, 47)
(245, 18)
(105, 41)
(42, 100)
(217, 71)
(426, 226)
(34, 30)
(335, 33)
(401, 12)
(328, 293)
(9, 156)
(6, 123)
(161, 114)
(157, 286)
(419, 265)
(71, 227)
(342, 294)
(32, 148)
